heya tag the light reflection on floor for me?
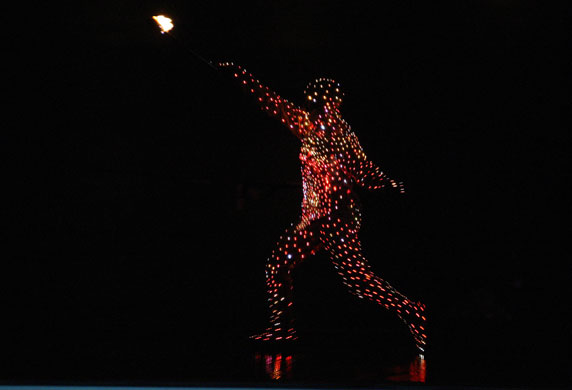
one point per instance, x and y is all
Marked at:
(281, 366)
(277, 366)
(416, 371)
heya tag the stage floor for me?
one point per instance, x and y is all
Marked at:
(338, 360)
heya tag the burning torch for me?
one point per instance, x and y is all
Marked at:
(166, 25)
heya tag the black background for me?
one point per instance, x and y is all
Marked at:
(149, 190)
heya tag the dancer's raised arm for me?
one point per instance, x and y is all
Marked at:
(292, 116)
(365, 172)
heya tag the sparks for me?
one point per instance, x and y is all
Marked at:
(165, 23)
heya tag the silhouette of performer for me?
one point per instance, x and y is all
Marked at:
(333, 162)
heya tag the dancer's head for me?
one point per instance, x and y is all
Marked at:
(323, 93)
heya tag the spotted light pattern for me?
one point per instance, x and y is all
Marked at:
(333, 162)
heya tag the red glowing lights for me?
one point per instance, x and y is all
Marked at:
(333, 162)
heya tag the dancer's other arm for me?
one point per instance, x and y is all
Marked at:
(366, 173)
(292, 116)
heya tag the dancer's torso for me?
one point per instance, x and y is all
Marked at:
(326, 169)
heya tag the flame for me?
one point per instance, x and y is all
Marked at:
(165, 23)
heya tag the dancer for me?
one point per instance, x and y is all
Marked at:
(333, 162)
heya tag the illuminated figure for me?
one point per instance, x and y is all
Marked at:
(333, 162)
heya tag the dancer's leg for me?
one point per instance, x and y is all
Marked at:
(342, 243)
(292, 247)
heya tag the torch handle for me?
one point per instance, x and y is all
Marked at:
(191, 51)
(197, 55)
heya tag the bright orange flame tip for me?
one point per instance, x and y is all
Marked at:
(165, 23)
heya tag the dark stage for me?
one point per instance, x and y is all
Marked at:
(147, 191)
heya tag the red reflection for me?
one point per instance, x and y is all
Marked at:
(415, 371)
(276, 366)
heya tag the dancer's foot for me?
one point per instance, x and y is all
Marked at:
(276, 334)
(416, 322)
